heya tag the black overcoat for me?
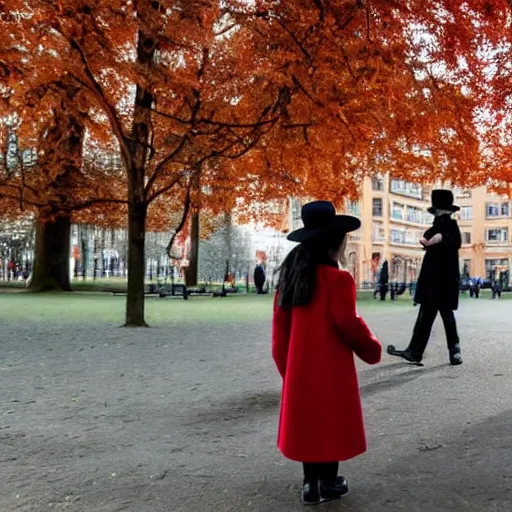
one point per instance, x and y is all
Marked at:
(438, 282)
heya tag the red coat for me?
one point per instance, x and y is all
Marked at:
(313, 347)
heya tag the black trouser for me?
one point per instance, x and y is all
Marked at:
(423, 328)
(325, 471)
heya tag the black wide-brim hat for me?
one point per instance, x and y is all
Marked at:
(320, 220)
(442, 200)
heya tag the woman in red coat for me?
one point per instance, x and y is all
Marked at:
(315, 333)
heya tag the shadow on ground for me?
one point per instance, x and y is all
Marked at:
(470, 471)
(238, 408)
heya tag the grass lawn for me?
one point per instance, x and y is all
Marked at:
(105, 308)
(77, 307)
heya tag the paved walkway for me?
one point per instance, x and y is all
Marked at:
(101, 419)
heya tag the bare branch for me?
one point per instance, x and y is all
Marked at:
(225, 29)
(161, 166)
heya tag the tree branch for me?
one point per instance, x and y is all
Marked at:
(96, 88)
(159, 168)
(167, 187)
(183, 220)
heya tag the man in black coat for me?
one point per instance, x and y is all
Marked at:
(259, 278)
(384, 280)
(437, 289)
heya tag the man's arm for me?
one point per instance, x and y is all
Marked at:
(450, 237)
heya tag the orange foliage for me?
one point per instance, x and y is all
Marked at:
(261, 101)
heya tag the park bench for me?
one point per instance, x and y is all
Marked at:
(224, 292)
(173, 290)
(202, 291)
(149, 290)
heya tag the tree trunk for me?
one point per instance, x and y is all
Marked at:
(136, 268)
(102, 252)
(137, 205)
(51, 266)
(228, 226)
(193, 255)
(85, 255)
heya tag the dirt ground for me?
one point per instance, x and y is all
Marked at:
(182, 418)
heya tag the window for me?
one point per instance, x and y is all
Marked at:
(492, 210)
(492, 265)
(466, 212)
(397, 237)
(406, 188)
(377, 207)
(497, 210)
(378, 234)
(466, 237)
(428, 218)
(377, 184)
(397, 211)
(497, 235)
(353, 208)
(414, 214)
(412, 237)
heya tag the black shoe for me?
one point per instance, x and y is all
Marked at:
(405, 354)
(455, 357)
(334, 491)
(311, 493)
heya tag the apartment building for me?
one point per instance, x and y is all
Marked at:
(394, 216)
(486, 224)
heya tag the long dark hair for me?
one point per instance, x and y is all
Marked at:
(297, 274)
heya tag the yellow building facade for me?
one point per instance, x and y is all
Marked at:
(486, 224)
(394, 216)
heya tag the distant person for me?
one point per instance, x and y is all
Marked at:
(315, 332)
(474, 288)
(438, 284)
(384, 280)
(497, 284)
(259, 279)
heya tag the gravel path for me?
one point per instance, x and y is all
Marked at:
(183, 419)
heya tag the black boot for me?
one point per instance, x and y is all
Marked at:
(311, 493)
(335, 490)
(406, 354)
(455, 356)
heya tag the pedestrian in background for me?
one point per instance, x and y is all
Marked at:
(438, 284)
(259, 278)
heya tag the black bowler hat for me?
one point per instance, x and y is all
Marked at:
(320, 219)
(442, 200)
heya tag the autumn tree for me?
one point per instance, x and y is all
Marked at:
(152, 71)
(260, 100)
(47, 177)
